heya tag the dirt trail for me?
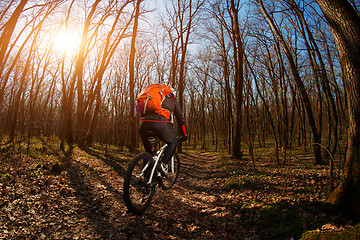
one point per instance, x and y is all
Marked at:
(84, 201)
(195, 208)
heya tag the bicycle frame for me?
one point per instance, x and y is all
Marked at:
(156, 158)
(156, 161)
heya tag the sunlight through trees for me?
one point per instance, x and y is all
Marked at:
(249, 74)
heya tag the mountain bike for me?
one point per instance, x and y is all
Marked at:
(144, 174)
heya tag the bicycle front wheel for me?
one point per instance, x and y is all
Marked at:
(137, 192)
(170, 178)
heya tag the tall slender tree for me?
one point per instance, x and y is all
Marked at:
(132, 145)
(78, 77)
(238, 48)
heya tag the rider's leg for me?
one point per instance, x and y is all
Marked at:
(164, 132)
(168, 136)
(147, 137)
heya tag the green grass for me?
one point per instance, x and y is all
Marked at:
(281, 222)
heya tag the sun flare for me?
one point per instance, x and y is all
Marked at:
(66, 41)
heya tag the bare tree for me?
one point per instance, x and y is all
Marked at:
(344, 22)
(222, 60)
(113, 39)
(32, 38)
(319, 70)
(299, 84)
(77, 78)
(8, 30)
(238, 48)
(132, 145)
(182, 22)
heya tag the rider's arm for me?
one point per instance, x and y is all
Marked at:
(171, 104)
(179, 117)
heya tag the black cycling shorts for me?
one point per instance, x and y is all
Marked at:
(161, 130)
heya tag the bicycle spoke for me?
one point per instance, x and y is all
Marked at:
(137, 192)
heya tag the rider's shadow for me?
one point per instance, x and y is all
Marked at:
(108, 160)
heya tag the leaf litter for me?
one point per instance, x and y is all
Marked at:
(79, 196)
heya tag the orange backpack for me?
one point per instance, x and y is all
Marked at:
(151, 98)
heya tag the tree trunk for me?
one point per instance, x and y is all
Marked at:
(78, 78)
(8, 30)
(345, 25)
(239, 78)
(185, 37)
(133, 132)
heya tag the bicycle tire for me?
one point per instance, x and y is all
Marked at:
(137, 194)
(170, 178)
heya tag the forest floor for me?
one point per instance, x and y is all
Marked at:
(48, 194)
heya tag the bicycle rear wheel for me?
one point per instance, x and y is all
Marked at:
(137, 193)
(170, 178)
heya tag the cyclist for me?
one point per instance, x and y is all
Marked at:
(156, 125)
